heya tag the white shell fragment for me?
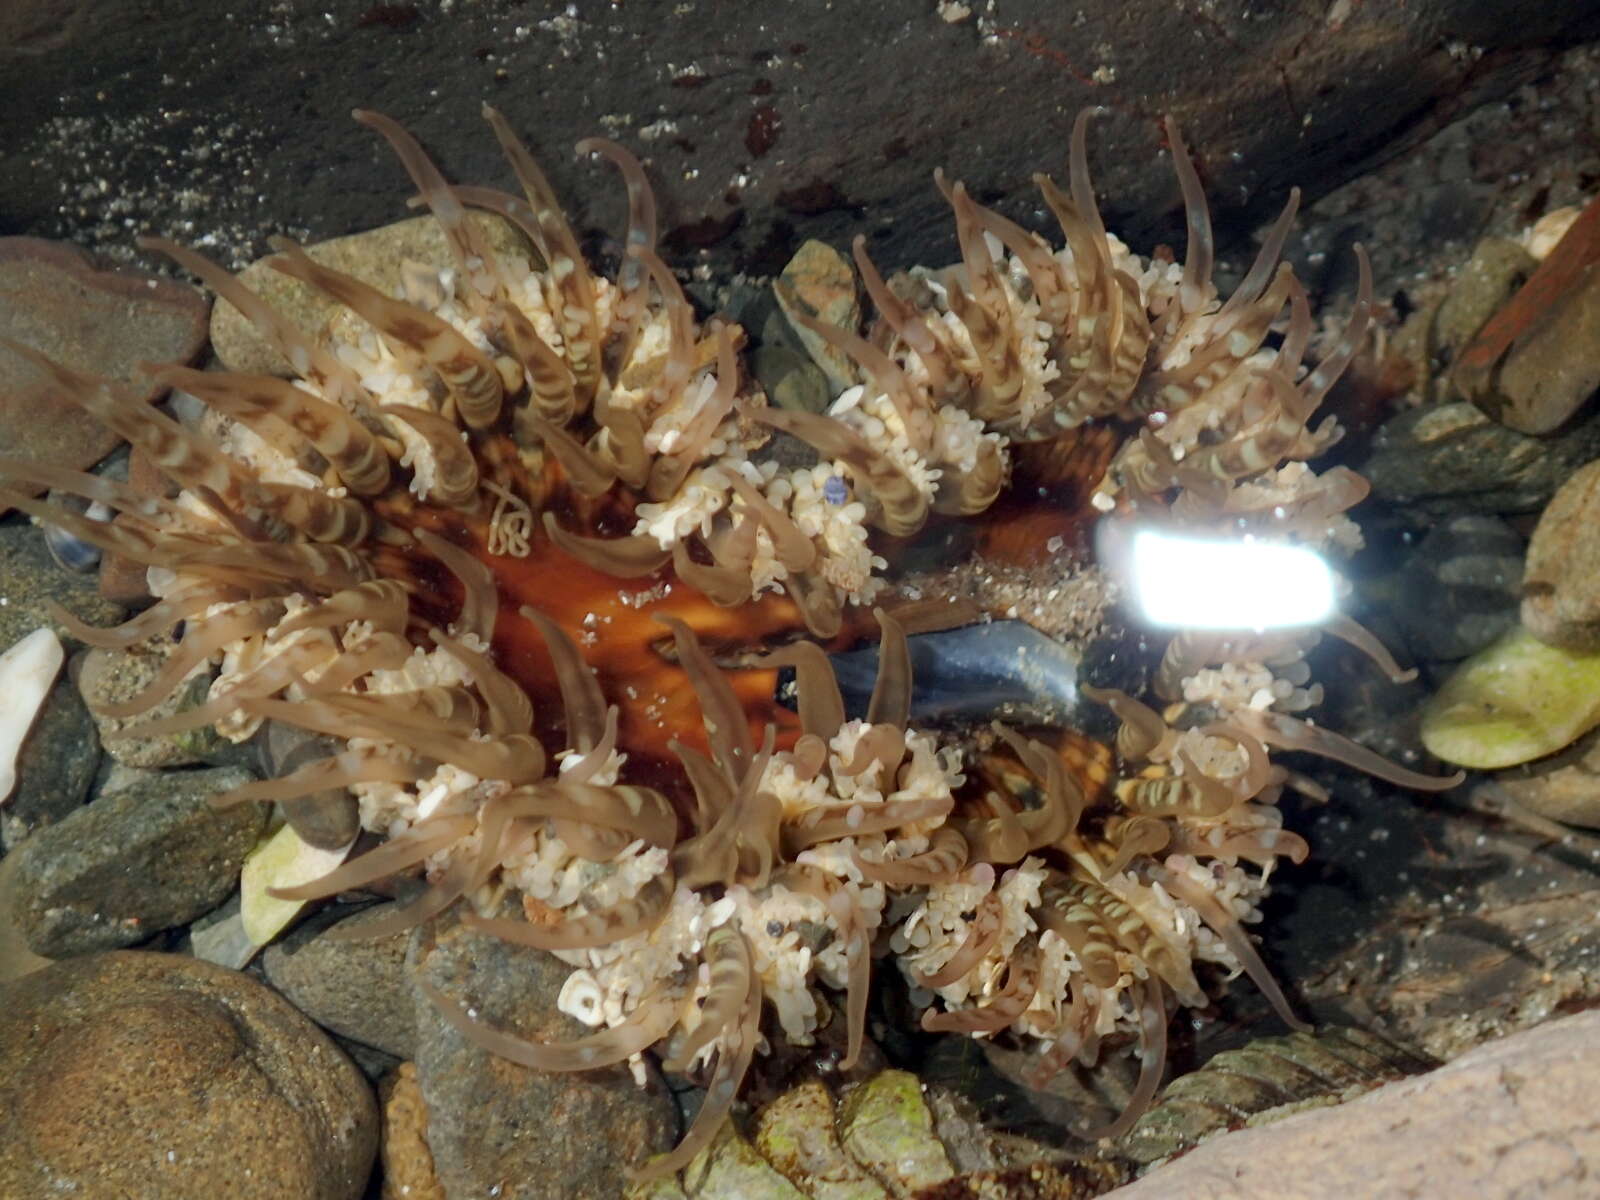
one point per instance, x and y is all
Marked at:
(281, 861)
(27, 671)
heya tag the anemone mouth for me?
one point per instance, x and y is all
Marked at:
(497, 536)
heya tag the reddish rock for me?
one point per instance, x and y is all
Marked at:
(53, 298)
(152, 1075)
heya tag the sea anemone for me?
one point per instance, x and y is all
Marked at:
(520, 505)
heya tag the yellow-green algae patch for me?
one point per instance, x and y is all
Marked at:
(1518, 700)
(887, 1127)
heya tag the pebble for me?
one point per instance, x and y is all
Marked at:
(1452, 458)
(375, 256)
(825, 284)
(790, 379)
(1458, 589)
(494, 1123)
(29, 578)
(1561, 586)
(107, 676)
(1514, 1118)
(357, 989)
(142, 857)
(1435, 334)
(731, 1169)
(329, 820)
(157, 1076)
(54, 299)
(1516, 701)
(1563, 788)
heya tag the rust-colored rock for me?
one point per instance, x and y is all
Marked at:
(53, 298)
(407, 1161)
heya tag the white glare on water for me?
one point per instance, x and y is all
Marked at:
(1196, 584)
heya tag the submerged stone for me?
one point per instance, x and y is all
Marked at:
(730, 1169)
(55, 299)
(1561, 584)
(797, 1135)
(1534, 364)
(1454, 458)
(887, 1127)
(134, 1074)
(144, 857)
(1516, 701)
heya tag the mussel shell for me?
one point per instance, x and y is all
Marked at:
(328, 819)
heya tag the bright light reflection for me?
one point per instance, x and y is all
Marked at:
(1193, 584)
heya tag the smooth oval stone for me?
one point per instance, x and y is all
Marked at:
(1516, 701)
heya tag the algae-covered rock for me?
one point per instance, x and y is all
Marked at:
(730, 1169)
(1516, 701)
(796, 1134)
(887, 1127)
(819, 282)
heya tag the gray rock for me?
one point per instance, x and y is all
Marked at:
(357, 989)
(1451, 458)
(1459, 589)
(153, 1075)
(29, 578)
(107, 676)
(494, 1123)
(55, 768)
(143, 858)
(328, 819)
(790, 379)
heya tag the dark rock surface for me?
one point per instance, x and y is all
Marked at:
(763, 126)
(1451, 458)
(1458, 590)
(54, 769)
(156, 1076)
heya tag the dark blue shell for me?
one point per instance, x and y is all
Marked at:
(1000, 669)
